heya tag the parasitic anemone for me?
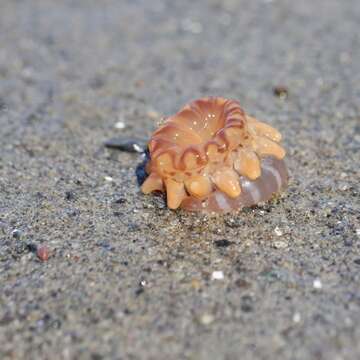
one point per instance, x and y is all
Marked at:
(212, 156)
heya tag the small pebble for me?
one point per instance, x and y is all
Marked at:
(2, 227)
(296, 318)
(20, 247)
(130, 145)
(32, 247)
(217, 275)
(97, 82)
(195, 284)
(223, 243)
(358, 232)
(343, 187)
(42, 253)
(153, 114)
(280, 244)
(108, 178)
(247, 304)
(348, 242)
(120, 201)
(241, 283)
(317, 284)
(16, 233)
(277, 231)
(69, 195)
(139, 291)
(139, 83)
(281, 91)
(207, 319)
(120, 125)
(138, 148)
(2, 105)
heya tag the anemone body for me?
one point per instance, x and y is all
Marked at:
(212, 156)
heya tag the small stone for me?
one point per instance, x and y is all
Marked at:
(281, 91)
(139, 291)
(195, 284)
(278, 231)
(138, 148)
(358, 232)
(153, 114)
(120, 201)
(139, 83)
(348, 242)
(223, 243)
(120, 125)
(241, 283)
(247, 303)
(97, 82)
(20, 247)
(126, 144)
(2, 105)
(16, 233)
(69, 195)
(2, 227)
(317, 284)
(280, 244)
(96, 356)
(207, 319)
(42, 253)
(296, 318)
(343, 187)
(108, 178)
(31, 247)
(217, 275)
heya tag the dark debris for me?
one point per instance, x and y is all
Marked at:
(130, 145)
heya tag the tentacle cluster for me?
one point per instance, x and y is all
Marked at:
(207, 146)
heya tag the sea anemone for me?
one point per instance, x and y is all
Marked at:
(212, 156)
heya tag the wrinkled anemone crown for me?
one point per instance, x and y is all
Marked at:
(201, 128)
(206, 147)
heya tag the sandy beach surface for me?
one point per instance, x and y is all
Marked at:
(90, 268)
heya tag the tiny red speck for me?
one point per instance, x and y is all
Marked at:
(43, 253)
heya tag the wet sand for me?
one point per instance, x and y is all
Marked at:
(126, 278)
